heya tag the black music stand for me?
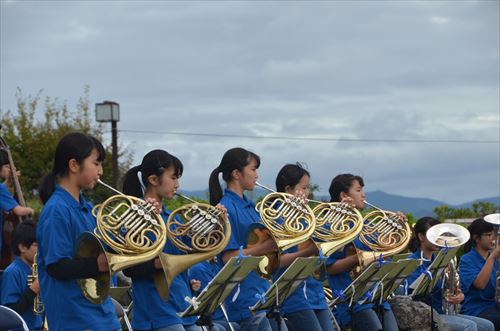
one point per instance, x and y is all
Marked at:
(233, 272)
(286, 284)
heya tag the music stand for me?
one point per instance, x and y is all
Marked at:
(400, 270)
(286, 284)
(217, 290)
(423, 285)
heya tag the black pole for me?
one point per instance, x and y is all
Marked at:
(114, 138)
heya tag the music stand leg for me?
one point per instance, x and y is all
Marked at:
(226, 317)
(275, 314)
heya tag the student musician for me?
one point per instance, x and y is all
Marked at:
(157, 178)
(349, 188)
(239, 170)
(478, 269)
(65, 216)
(15, 293)
(305, 308)
(424, 250)
(7, 201)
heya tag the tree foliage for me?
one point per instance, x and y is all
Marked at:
(33, 130)
(478, 209)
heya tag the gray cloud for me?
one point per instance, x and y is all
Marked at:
(362, 70)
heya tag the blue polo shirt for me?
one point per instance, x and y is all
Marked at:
(7, 203)
(15, 283)
(242, 213)
(204, 272)
(150, 311)
(341, 281)
(315, 294)
(62, 221)
(297, 300)
(436, 294)
(476, 301)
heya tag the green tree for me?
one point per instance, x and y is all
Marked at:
(478, 209)
(34, 129)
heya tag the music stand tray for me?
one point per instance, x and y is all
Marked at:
(288, 282)
(389, 283)
(233, 272)
(424, 284)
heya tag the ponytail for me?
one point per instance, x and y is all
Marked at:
(47, 187)
(214, 188)
(131, 183)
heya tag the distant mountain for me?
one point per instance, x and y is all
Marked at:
(418, 207)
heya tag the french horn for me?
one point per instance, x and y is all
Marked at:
(384, 233)
(285, 218)
(198, 229)
(132, 232)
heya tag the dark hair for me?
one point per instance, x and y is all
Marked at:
(24, 234)
(290, 175)
(342, 183)
(4, 158)
(75, 145)
(477, 229)
(422, 225)
(153, 163)
(234, 159)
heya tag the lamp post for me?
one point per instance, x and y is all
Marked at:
(109, 111)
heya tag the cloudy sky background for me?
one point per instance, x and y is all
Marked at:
(364, 70)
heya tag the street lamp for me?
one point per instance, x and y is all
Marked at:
(109, 111)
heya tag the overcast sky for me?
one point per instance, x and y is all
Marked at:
(364, 70)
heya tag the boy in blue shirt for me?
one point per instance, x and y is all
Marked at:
(16, 294)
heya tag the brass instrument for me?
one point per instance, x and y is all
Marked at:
(384, 233)
(449, 236)
(495, 220)
(133, 231)
(337, 224)
(199, 229)
(38, 307)
(287, 219)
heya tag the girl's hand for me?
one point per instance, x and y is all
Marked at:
(349, 201)
(300, 194)
(401, 216)
(102, 263)
(156, 204)
(455, 299)
(221, 208)
(195, 285)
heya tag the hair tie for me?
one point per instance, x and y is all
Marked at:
(143, 187)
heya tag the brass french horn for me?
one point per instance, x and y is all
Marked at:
(132, 232)
(198, 229)
(287, 219)
(384, 233)
(337, 224)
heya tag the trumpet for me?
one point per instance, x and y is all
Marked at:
(131, 228)
(495, 220)
(449, 236)
(38, 307)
